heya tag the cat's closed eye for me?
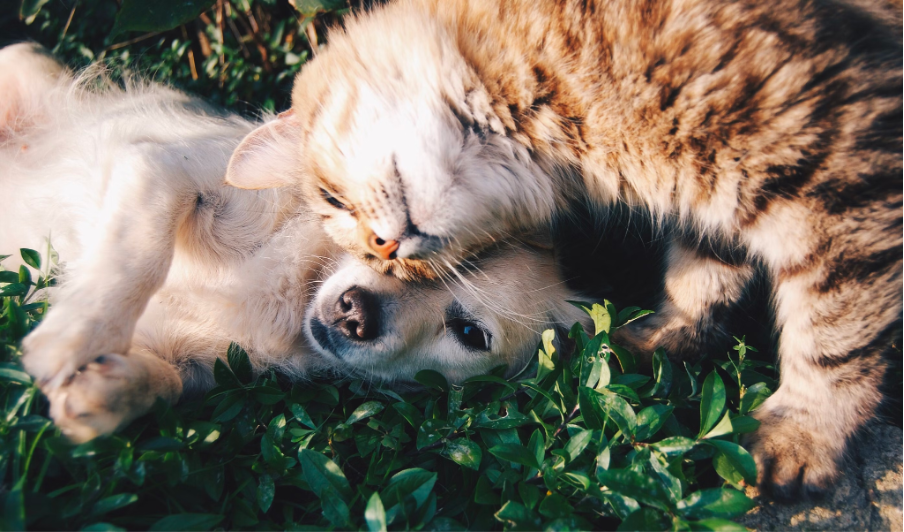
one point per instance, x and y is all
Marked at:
(325, 194)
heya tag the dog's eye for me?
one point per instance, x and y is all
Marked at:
(470, 334)
(333, 201)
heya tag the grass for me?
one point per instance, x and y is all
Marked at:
(586, 442)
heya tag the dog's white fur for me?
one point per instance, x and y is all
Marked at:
(164, 265)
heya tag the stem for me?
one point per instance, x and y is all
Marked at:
(570, 416)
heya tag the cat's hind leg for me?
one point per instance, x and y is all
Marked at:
(702, 281)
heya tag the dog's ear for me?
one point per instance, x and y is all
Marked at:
(266, 158)
(540, 239)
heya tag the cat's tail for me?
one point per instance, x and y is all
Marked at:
(28, 76)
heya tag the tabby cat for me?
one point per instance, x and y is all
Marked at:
(766, 134)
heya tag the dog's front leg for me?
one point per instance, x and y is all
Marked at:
(126, 258)
(111, 391)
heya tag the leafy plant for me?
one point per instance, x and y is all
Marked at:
(230, 51)
(580, 442)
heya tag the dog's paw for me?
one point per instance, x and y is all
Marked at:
(794, 459)
(101, 396)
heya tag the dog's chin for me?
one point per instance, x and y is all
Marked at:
(318, 336)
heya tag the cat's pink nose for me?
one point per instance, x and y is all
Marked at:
(385, 249)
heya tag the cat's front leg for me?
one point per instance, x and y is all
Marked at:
(700, 286)
(836, 335)
(110, 391)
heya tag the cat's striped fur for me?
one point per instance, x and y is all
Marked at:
(768, 133)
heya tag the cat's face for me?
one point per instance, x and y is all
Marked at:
(404, 158)
(379, 327)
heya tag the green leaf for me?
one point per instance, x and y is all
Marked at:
(754, 396)
(31, 257)
(645, 519)
(266, 490)
(650, 420)
(733, 463)
(662, 373)
(715, 502)
(515, 453)
(374, 514)
(591, 408)
(432, 379)
(302, 415)
(637, 486)
(577, 443)
(365, 411)
(493, 379)
(160, 15)
(410, 413)
(619, 411)
(11, 372)
(717, 525)
(675, 445)
(516, 517)
(229, 407)
(625, 359)
(101, 527)
(14, 289)
(430, 432)
(115, 502)
(744, 424)
(483, 492)
(321, 473)
(554, 506)
(239, 363)
(224, 376)
(602, 320)
(464, 452)
(722, 428)
(545, 363)
(25, 276)
(416, 483)
(625, 317)
(712, 402)
(30, 9)
(511, 419)
(8, 276)
(187, 521)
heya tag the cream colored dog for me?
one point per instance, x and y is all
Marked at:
(164, 265)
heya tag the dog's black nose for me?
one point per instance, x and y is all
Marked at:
(357, 315)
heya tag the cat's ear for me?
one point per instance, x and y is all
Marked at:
(266, 158)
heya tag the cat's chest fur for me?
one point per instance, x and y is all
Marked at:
(708, 112)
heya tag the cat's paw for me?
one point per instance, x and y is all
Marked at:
(794, 459)
(102, 396)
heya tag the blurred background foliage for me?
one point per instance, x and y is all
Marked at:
(241, 54)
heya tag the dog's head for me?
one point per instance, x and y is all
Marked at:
(484, 315)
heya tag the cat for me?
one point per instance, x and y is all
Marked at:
(164, 266)
(764, 134)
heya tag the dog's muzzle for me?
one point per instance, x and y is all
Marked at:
(354, 318)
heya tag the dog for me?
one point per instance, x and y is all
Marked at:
(163, 265)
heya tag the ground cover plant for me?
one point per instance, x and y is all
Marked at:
(580, 442)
